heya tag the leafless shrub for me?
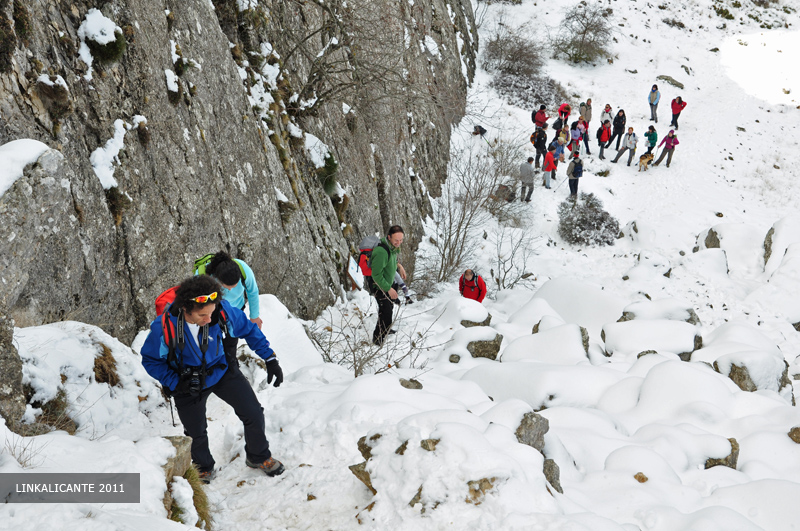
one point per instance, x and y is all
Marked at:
(24, 450)
(515, 59)
(344, 337)
(584, 35)
(473, 177)
(514, 249)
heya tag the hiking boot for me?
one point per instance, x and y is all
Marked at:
(206, 475)
(392, 331)
(271, 467)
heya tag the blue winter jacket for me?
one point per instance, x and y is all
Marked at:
(155, 350)
(559, 150)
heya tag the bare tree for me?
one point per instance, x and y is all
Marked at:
(351, 50)
(585, 34)
(514, 250)
(344, 337)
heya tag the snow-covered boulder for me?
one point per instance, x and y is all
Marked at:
(564, 345)
(532, 312)
(741, 243)
(782, 234)
(662, 335)
(582, 303)
(748, 357)
(649, 266)
(543, 385)
(476, 341)
(458, 309)
(671, 309)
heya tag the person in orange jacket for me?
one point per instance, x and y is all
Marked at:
(472, 286)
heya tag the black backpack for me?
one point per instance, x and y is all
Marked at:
(599, 132)
(558, 124)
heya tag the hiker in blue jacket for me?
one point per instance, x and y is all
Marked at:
(653, 98)
(184, 351)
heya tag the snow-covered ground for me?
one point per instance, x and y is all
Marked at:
(631, 435)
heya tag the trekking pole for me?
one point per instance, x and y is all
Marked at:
(559, 186)
(171, 410)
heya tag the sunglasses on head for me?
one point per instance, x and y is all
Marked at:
(205, 298)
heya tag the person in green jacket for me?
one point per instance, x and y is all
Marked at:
(652, 137)
(384, 266)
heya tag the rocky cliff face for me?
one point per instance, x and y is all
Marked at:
(204, 103)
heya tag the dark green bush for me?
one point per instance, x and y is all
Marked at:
(584, 222)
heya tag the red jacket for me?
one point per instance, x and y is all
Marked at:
(540, 118)
(474, 289)
(549, 162)
(678, 107)
(606, 135)
(564, 112)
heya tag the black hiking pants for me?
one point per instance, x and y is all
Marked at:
(234, 389)
(618, 135)
(385, 311)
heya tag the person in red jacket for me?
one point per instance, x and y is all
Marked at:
(677, 106)
(549, 166)
(603, 136)
(540, 117)
(564, 111)
(472, 286)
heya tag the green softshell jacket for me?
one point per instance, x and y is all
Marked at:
(384, 265)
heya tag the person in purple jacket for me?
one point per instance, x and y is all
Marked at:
(185, 353)
(669, 142)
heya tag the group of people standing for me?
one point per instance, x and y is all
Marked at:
(570, 137)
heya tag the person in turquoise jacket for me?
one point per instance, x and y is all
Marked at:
(186, 353)
(652, 137)
(653, 98)
(238, 282)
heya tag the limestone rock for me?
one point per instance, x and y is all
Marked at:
(454, 358)
(410, 384)
(365, 445)
(532, 429)
(429, 444)
(672, 81)
(485, 322)
(485, 349)
(178, 464)
(794, 434)
(641, 478)
(360, 471)
(553, 475)
(478, 489)
(730, 460)
(12, 397)
(67, 254)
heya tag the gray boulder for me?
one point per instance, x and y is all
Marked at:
(486, 349)
(532, 429)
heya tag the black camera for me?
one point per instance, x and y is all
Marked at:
(193, 379)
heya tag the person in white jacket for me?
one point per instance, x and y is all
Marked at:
(628, 144)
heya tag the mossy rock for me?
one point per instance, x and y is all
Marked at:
(110, 52)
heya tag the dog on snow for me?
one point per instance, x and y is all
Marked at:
(644, 161)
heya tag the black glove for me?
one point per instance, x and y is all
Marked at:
(274, 371)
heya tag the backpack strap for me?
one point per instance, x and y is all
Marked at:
(174, 339)
(241, 268)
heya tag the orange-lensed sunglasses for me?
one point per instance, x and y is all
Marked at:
(205, 298)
